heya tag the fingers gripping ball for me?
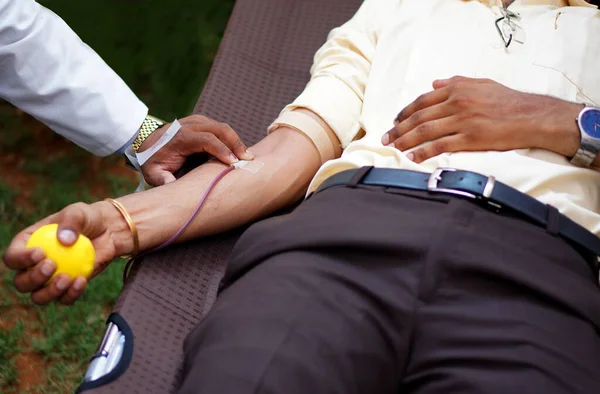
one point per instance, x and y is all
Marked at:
(75, 260)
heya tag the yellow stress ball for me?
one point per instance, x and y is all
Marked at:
(75, 260)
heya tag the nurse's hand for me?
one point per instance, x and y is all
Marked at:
(197, 134)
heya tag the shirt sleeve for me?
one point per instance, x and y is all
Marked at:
(48, 72)
(340, 72)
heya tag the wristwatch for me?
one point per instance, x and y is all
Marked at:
(149, 126)
(589, 126)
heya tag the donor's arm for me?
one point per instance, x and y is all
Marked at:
(285, 162)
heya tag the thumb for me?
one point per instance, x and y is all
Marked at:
(167, 177)
(440, 83)
(157, 176)
(71, 222)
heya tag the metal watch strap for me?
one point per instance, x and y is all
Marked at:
(149, 126)
(588, 148)
(584, 156)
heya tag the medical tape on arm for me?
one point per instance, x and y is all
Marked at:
(139, 159)
(250, 166)
(308, 126)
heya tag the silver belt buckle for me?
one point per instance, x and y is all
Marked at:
(436, 177)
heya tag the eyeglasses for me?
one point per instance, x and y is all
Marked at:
(508, 29)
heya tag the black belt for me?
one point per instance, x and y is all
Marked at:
(476, 187)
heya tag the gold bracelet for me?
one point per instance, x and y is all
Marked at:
(130, 223)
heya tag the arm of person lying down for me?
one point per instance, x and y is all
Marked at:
(285, 162)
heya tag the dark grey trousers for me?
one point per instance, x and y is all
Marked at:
(376, 291)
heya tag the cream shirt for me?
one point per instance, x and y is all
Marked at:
(391, 51)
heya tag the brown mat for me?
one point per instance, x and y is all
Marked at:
(262, 65)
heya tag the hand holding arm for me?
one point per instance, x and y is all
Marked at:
(197, 134)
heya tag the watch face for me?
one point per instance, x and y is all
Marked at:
(590, 122)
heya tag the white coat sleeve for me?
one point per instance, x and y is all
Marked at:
(48, 72)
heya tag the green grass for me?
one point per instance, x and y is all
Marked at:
(78, 322)
(66, 336)
(13, 135)
(9, 347)
(10, 216)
